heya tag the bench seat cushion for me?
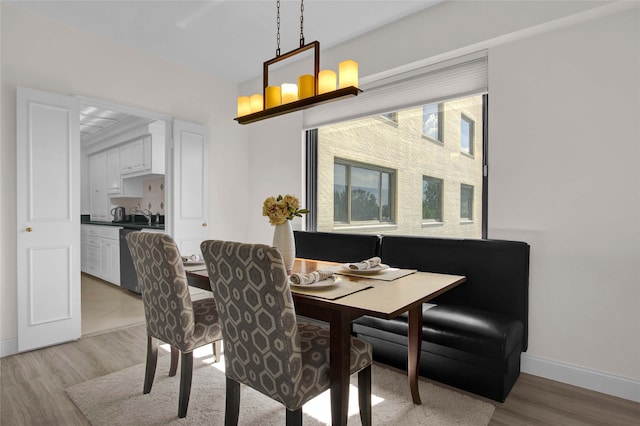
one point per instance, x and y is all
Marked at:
(470, 330)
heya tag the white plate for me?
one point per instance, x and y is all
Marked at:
(192, 262)
(381, 267)
(333, 280)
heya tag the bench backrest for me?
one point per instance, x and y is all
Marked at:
(497, 271)
(336, 247)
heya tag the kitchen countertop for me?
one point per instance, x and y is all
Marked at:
(128, 225)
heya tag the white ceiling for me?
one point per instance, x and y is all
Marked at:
(228, 39)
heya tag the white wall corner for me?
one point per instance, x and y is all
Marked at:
(8, 347)
(598, 381)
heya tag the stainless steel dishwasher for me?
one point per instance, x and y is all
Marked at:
(128, 276)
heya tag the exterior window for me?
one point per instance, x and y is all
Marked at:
(466, 202)
(432, 121)
(467, 134)
(431, 199)
(362, 194)
(371, 177)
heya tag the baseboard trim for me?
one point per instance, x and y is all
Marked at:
(8, 347)
(594, 380)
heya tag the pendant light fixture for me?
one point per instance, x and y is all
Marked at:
(310, 90)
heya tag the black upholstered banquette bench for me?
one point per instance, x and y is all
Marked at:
(474, 334)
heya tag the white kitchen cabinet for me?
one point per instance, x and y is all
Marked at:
(136, 156)
(90, 255)
(99, 201)
(114, 181)
(100, 252)
(110, 260)
(141, 156)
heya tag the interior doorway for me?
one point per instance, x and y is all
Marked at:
(49, 206)
(109, 128)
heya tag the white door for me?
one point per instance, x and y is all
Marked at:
(48, 167)
(190, 174)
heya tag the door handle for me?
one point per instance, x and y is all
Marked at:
(204, 225)
(29, 229)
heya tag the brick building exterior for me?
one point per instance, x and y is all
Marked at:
(402, 146)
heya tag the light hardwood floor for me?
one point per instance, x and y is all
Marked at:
(32, 385)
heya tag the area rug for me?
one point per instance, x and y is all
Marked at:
(117, 399)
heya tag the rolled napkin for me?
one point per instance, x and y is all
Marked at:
(191, 258)
(365, 264)
(311, 277)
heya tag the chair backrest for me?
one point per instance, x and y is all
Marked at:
(336, 247)
(257, 316)
(164, 287)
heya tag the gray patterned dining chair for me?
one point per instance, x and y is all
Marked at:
(170, 314)
(265, 345)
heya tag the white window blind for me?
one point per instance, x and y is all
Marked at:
(460, 77)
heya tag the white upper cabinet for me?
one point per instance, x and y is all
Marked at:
(98, 186)
(116, 167)
(114, 181)
(145, 154)
(136, 156)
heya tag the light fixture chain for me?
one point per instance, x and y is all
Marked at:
(301, 23)
(278, 32)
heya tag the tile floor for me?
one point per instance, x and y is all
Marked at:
(107, 307)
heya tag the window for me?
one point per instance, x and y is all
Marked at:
(432, 121)
(431, 199)
(375, 178)
(466, 202)
(467, 130)
(362, 193)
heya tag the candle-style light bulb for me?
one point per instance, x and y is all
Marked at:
(326, 81)
(347, 74)
(256, 102)
(274, 96)
(306, 86)
(289, 92)
(244, 105)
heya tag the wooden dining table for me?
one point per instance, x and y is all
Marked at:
(378, 298)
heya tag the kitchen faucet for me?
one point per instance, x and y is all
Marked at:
(146, 213)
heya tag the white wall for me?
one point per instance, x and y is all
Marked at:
(563, 175)
(564, 151)
(276, 164)
(46, 55)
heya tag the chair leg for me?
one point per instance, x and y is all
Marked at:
(294, 418)
(152, 360)
(232, 403)
(175, 355)
(364, 395)
(217, 350)
(186, 372)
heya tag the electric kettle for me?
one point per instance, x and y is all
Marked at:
(118, 214)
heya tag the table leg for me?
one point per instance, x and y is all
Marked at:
(413, 353)
(340, 351)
